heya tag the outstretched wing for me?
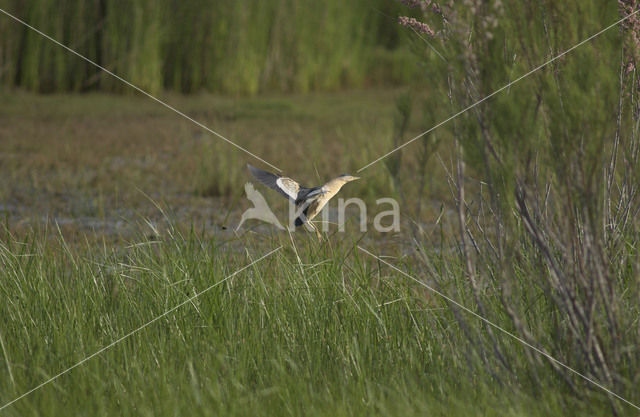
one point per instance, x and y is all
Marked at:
(285, 186)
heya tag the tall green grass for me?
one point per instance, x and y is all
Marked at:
(240, 47)
(331, 333)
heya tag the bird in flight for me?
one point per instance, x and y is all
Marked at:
(308, 201)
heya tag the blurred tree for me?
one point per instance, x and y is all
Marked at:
(239, 47)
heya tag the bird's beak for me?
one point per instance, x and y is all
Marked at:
(355, 178)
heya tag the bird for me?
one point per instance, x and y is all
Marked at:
(308, 201)
(260, 209)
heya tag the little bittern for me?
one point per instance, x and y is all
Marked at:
(308, 201)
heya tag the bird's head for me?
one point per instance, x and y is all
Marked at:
(348, 178)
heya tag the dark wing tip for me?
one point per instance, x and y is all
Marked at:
(268, 179)
(261, 174)
(252, 169)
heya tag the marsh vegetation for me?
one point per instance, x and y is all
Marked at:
(524, 209)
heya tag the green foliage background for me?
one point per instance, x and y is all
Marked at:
(228, 46)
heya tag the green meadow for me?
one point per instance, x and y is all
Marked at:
(511, 289)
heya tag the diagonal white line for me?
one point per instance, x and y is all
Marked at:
(540, 351)
(499, 90)
(433, 48)
(115, 342)
(138, 89)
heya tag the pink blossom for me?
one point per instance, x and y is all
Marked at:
(416, 25)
